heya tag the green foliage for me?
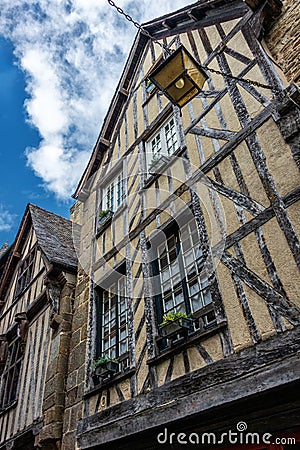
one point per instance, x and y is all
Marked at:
(103, 213)
(102, 360)
(154, 160)
(172, 317)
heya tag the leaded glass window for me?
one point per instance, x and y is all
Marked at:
(114, 193)
(184, 285)
(113, 322)
(25, 272)
(165, 141)
(11, 373)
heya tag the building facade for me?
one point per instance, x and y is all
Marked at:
(38, 276)
(167, 312)
(186, 312)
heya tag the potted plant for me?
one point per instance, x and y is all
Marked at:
(104, 216)
(149, 86)
(175, 322)
(104, 366)
(157, 162)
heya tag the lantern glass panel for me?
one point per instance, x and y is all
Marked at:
(170, 71)
(177, 93)
(180, 77)
(184, 100)
(193, 71)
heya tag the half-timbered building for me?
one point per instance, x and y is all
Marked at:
(187, 301)
(38, 276)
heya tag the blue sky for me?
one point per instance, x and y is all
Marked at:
(59, 64)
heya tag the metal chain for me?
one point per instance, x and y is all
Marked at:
(245, 80)
(138, 26)
(218, 72)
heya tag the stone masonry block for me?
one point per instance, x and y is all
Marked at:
(69, 440)
(77, 357)
(80, 317)
(54, 414)
(72, 380)
(66, 424)
(64, 345)
(50, 432)
(71, 397)
(76, 338)
(76, 415)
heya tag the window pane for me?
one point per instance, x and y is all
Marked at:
(114, 320)
(156, 146)
(178, 298)
(110, 197)
(114, 193)
(194, 287)
(184, 288)
(11, 373)
(207, 297)
(168, 303)
(171, 137)
(165, 275)
(25, 272)
(120, 189)
(188, 258)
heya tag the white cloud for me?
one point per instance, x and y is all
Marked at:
(6, 219)
(72, 53)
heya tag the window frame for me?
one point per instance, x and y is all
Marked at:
(25, 272)
(114, 192)
(200, 315)
(163, 151)
(123, 358)
(10, 377)
(104, 214)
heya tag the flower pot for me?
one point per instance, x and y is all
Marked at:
(105, 216)
(104, 219)
(107, 368)
(157, 164)
(177, 326)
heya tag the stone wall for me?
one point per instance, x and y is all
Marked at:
(55, 385)
(76, 371)
(283, 40)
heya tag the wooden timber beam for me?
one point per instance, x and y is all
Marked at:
(282, 305)
(213, 133)
(204, 393)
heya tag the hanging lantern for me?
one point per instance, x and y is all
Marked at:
(179, 76)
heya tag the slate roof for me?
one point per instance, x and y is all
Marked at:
(54, 236)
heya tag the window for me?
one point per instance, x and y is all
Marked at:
(10, 375)
(114, 193)
(183, 285)
(112, 333)
(25, 273)
(163, 143)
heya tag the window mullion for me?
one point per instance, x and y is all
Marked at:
(115, 198)
(163, 141)
(100, 322)
(182, 274)
(117, 303)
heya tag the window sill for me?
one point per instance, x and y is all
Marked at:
(102, 227)
(151, 178)
(185, 342)
(107, 383)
